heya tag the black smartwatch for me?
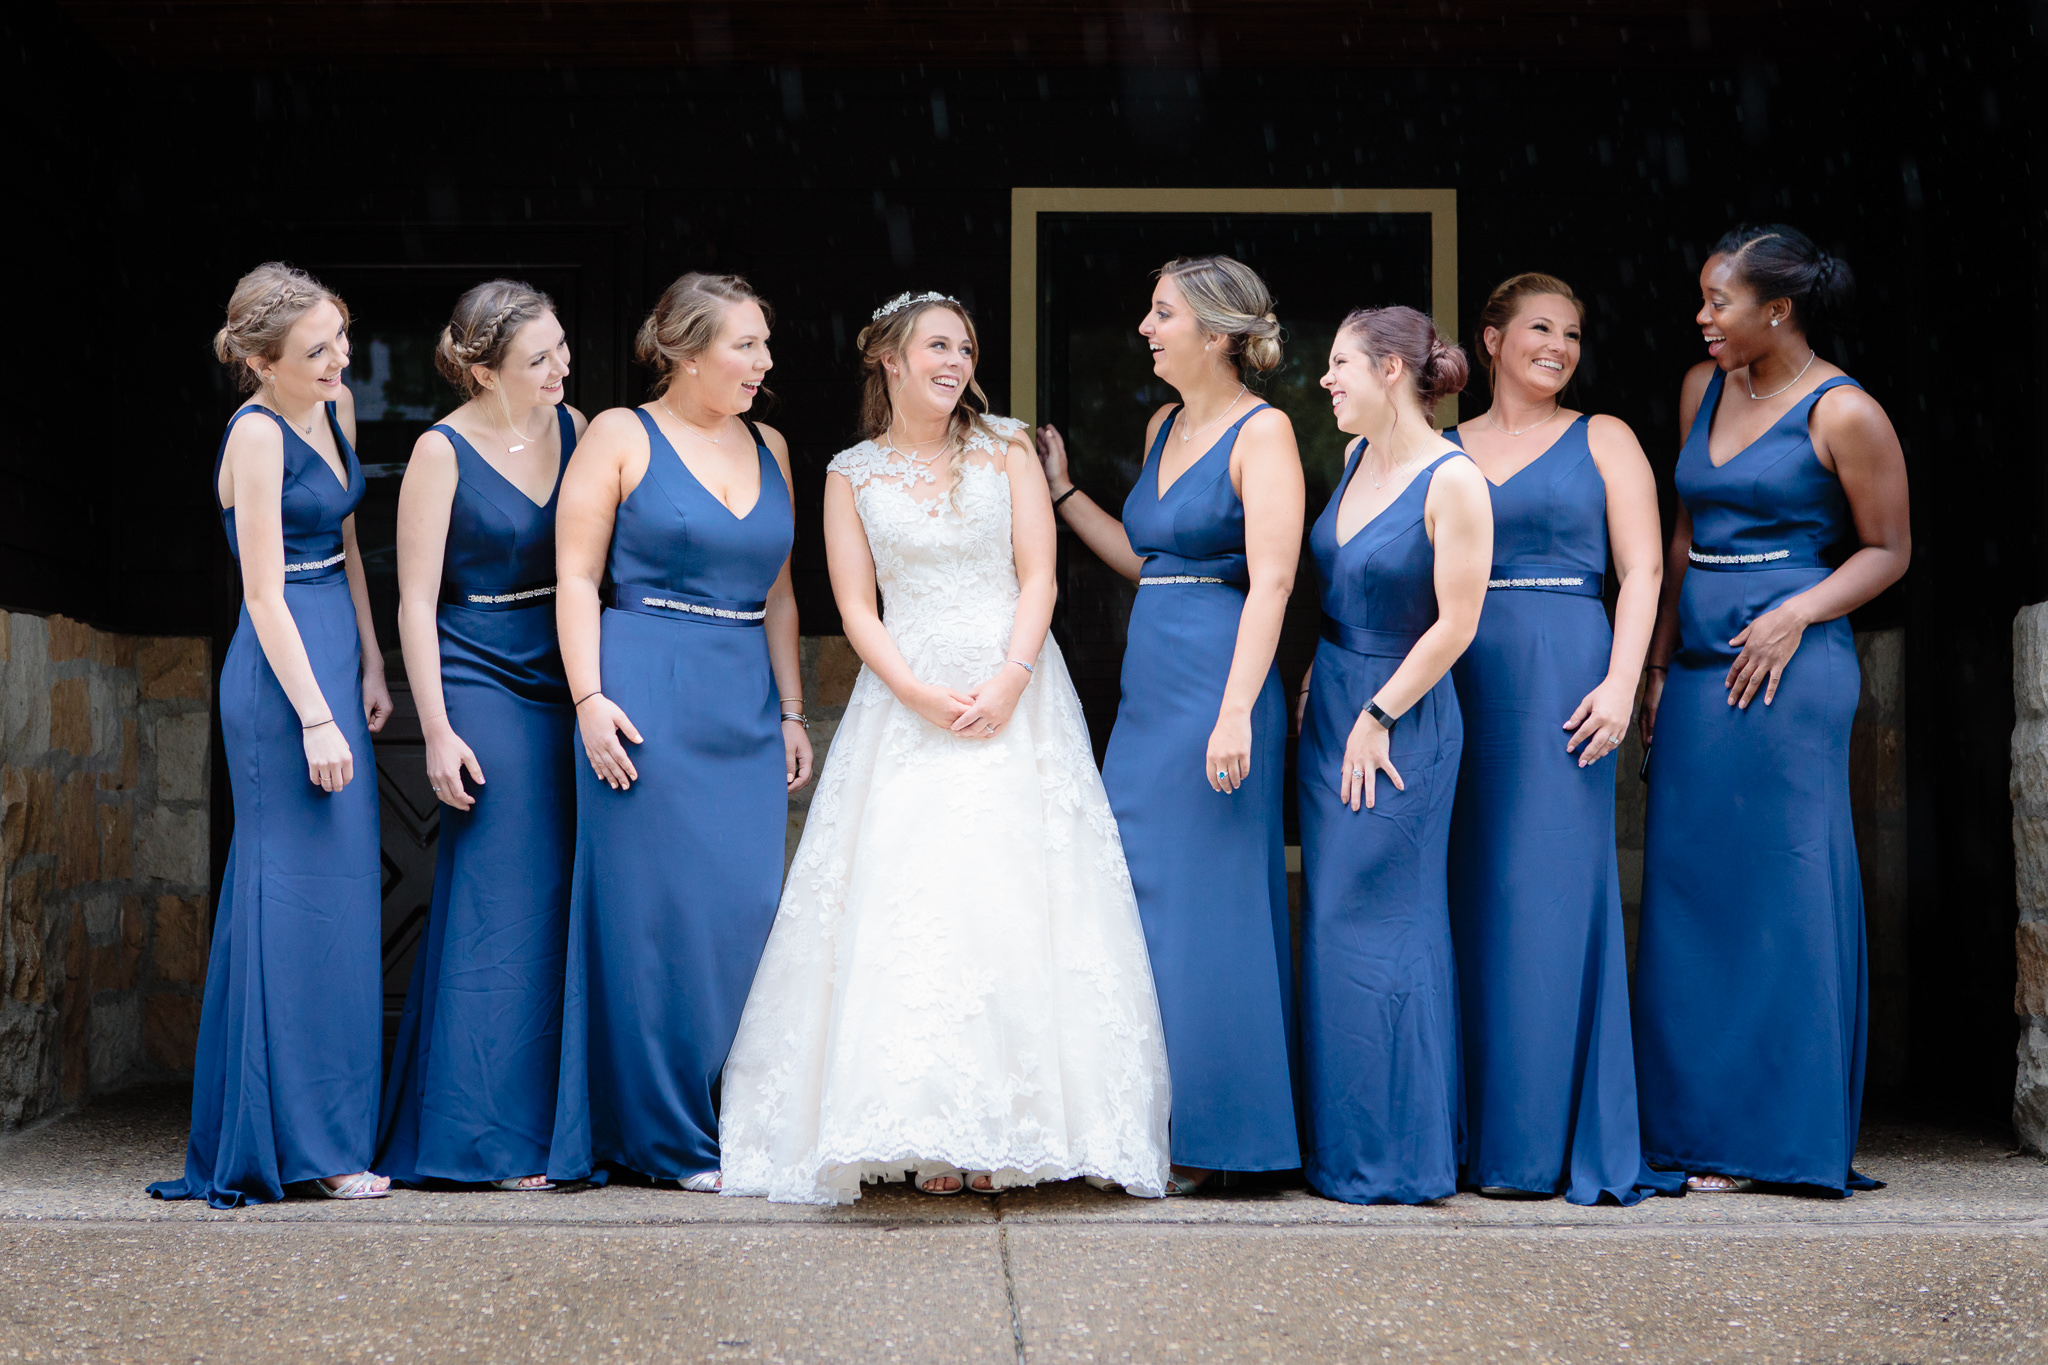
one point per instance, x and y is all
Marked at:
(1372, 708)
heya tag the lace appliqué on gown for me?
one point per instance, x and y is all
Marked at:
(957, 973)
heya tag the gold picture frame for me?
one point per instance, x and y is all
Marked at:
(1027, 203)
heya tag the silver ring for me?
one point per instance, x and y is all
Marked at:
(1222, 776)
(1358, 772)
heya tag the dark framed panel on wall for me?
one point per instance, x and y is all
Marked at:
(1081, 277)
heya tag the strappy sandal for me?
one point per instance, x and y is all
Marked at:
(1178, 1184)
(941, 1171)
(361, 1185)
(1737, 1184)
(517, 1184)
(704, 1182)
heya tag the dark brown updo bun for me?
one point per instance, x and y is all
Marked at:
(486, 319)
(1436, 367)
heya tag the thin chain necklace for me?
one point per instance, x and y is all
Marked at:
(1394, 470)
(278, 408)
(1811, 356)
(524, 439)
(1185, 437)
(662, 403)
(921, 461)
(1555, 409)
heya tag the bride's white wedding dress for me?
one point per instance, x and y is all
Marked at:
(957, 974)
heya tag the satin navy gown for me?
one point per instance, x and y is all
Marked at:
(1379, 1006)
(285, 1079)
(1550, 1079)
(676, 878)
(1209, 869)
(471, 1096)
(1751, 1002)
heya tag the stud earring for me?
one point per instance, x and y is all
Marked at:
(1774, 322)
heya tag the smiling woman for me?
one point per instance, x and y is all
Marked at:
(284, 1086)
(684, 504)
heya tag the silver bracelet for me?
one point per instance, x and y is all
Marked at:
(798, 717)
(1021, 664)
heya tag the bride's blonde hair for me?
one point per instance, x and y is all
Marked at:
(889, 335)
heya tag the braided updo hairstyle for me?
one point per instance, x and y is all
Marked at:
(266, 303)
(1781, 262)
(486, 319)
(1436, 367)
(1229, 300)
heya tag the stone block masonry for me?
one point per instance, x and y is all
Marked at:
(2030, 869)
(105, 762)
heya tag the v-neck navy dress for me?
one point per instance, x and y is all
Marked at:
(285, 1080)
(471, 1096)
(1379, 1001)
(1751, 987)
(1209, 869)
(1550, 1079)
(677, 877)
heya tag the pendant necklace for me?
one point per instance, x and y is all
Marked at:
(1811, 356)
(1189, 436)
(524, 439)
(662, 403)
(1555, 409)
(1392, 471)
(278, 408)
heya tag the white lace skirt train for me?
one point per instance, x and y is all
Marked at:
(957, 974)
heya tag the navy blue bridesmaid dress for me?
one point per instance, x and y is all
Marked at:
(285, 1079)
(1379, 1005)
(1209, 869)
(471, 1096)
(1550, 1079)
(1751, 982)
(676, 878)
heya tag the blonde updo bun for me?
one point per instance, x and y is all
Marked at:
(687, 319)
(267, 302)
(486, 319)
(1229, 300)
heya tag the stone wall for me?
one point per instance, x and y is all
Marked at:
(2030, 868)
(105, 744)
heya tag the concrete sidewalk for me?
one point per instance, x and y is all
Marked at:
(1948, 1264)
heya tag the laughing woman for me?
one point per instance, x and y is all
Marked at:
(1546, 690)
(682, 803)
(1401, 554)
(1751, 1003)
(472, 1090)
(284, 1086)
(1211, 535)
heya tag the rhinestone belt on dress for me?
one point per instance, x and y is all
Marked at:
(318, 564)
(490, 597)
(1764, 557)
(1177, 578)
(697, 609)
(1535, 582)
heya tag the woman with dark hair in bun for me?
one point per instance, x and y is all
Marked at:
(1750, 1005)
(471, 1095)
(1401, 554)
(284, 1083)
(1211, 534)
(689, 709)
(1546, 691)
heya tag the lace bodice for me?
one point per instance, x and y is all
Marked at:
(943, 556)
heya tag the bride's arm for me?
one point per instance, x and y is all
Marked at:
(852, 566)
(1033, 543)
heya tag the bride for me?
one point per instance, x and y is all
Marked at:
(956, 989)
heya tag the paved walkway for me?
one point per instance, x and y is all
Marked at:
(1948, 1264)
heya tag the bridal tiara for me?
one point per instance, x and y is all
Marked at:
(906, 299)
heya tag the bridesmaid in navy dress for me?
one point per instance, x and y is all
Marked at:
(690, 711)
(1211, 534)
(1546, 691)
(471, 1096)
(1751, 1006)
(1401, 554)
(284, 1085)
